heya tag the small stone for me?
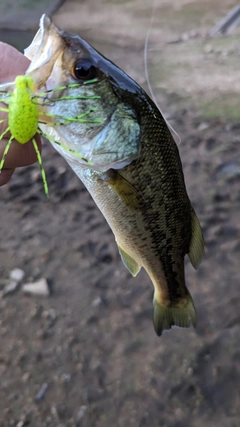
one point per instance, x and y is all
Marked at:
(37, 288)
(203, 126)
(96, 302)
(10, 288)
(35, 175)
(178, 412)
(54, 412)
(193, 34)
(174, 40)
(62, 170)
(25, 377)
(81, 413)
(17, 274)
(50, 315)
(231, 170)
(41, 392)
(185, 37)
(66, 378)
(208, 48)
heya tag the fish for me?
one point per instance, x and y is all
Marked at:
(129, 163)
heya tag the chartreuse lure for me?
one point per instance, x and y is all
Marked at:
(24, 116)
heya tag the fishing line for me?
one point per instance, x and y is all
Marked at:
(154, 2)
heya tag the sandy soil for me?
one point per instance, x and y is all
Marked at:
(89, 348)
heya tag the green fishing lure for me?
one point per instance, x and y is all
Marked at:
(24, 116)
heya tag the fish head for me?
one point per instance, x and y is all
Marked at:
(84, 100)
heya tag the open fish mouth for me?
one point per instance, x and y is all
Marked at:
(45, 53)
(75, 112)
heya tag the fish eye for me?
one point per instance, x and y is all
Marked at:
(84, 70)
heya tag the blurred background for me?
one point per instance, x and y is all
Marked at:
(84, 353)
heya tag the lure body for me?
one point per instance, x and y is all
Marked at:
(23, 112)
(23, 117)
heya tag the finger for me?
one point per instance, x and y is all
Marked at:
(12, 63)
(5, 176)
(19, 154)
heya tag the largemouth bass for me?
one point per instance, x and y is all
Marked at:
(130, 165)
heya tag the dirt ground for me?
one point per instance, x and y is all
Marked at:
(87, 355)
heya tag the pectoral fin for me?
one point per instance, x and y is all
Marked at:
(196, 249)
(123, 188)
(129, 262)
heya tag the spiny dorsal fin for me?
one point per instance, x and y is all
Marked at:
(129, 262)
(196, 249)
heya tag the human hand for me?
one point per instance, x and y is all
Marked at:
(13, 63)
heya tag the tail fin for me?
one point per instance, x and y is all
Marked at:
(165, 316)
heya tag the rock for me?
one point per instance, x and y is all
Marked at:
(41, 392)
(50, 314)
(96, 302)
(185, 37)
(81, 413)
(203, 126)
(208, 48)
(25, 377)
(37, 288)
(230, 170)
(66, 378)
(10, 288)
(17, 274)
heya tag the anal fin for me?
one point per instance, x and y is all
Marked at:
(129, 262)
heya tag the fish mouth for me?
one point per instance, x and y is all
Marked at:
(86, 121)
(44, 52)
(54, 53)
